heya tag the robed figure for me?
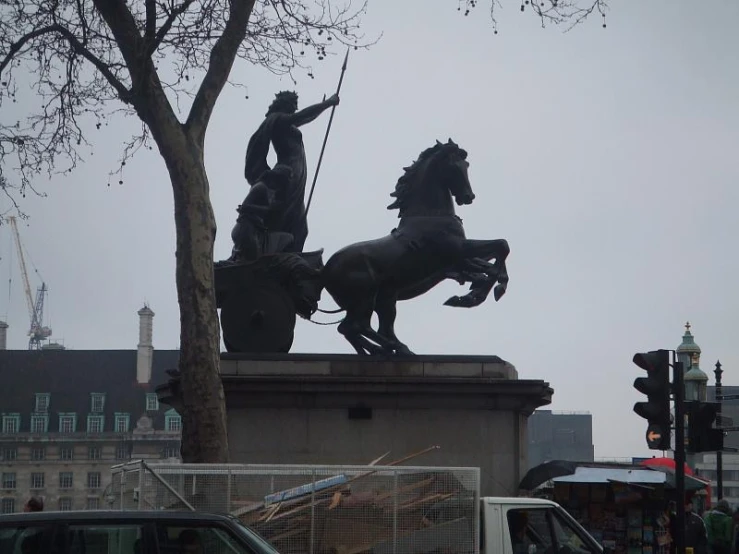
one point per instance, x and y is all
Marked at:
(272, 217)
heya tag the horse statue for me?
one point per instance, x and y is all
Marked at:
(428, 246)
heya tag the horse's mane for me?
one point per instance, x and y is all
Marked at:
(413, 173)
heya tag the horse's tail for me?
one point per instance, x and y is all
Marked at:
(319, 275)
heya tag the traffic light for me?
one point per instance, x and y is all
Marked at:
(702, 435)
(656, 385)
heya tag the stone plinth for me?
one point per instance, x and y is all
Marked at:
(342, 409)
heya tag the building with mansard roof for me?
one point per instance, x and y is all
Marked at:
(67, 416)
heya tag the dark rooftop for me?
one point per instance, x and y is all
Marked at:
(70, 376)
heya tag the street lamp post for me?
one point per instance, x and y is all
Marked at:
(719, 455)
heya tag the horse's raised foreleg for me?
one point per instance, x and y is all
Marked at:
(487, 249)
(480, 286)
(482, 274)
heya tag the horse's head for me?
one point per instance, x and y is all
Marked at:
(450, 161)
(439, 174)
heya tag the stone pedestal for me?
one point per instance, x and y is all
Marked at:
(343, 409)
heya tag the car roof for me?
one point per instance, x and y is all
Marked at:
(111, 515)
(529, 501)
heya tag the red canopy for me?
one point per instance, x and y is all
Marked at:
(665, 464)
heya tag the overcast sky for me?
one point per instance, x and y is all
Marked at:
(607, 158)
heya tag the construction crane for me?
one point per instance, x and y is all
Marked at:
(37, 333)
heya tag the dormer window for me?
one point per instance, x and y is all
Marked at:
(152, 402)
(67, 422)
(97, 402)
(11, 423)
(39, 423)
(95, 424)
(42, 402)
(172, 421)
(121, 422)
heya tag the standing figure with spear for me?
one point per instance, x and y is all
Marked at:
(274, 211)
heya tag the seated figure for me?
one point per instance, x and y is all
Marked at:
(253, 235)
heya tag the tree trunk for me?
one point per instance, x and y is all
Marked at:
(204, 434)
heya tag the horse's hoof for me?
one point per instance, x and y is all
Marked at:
(375, 350)
(403, 350)
(465, 301)
(499, 291)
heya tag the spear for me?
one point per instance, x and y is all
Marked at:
(328, 130)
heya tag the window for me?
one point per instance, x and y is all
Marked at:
(65, 479)
(42, 402)
(217, 538)
(121, 423)
(38, 453)
(568, 540)
(39, 423)
(9, 454)
(540, 527)
(94, 424)
(122, 452)
(94, 453)
(65, 505)
(9, 481)
(38, 480)
(7, 506)
(93, 503)
(66, 452)
(11, 423)
(93, 480)
(172, 421)
(97, 536)
(67, 423)
(152, 402)
(97, 402)
(171, 452)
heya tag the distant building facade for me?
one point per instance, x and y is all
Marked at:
(560, 436)
(67, 416)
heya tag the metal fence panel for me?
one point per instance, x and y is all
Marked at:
(304, 509)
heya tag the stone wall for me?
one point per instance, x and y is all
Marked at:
(332, 409)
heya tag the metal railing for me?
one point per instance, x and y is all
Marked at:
(312, 509)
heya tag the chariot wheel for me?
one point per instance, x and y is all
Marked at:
(259, 318)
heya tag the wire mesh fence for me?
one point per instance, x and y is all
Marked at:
(319, 509)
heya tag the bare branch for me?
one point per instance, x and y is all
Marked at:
(103, 68)
(221, 60)
(167, 25)
(555, 12)
(20, 43)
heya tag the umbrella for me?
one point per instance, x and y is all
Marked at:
(546, 471)
(664, 464)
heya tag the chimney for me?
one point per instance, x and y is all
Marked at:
(146, 348)
(3, 335)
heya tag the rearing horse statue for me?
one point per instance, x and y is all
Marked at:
(428, 246)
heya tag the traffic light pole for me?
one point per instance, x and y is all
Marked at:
(679, 392)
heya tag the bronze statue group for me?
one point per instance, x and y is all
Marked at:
(427, 246)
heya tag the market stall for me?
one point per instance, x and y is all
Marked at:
(623, 508)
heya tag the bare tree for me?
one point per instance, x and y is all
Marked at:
(80, 56)
(88, 59)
